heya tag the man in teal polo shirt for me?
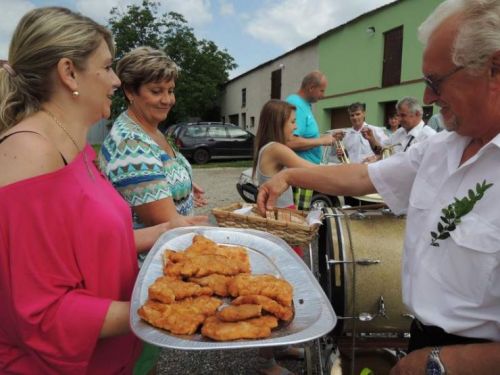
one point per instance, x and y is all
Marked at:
(307, 141)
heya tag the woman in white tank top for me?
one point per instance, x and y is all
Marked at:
(271, 155)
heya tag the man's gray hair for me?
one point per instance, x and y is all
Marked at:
(478, 37)
(412, 104)
(313, 79)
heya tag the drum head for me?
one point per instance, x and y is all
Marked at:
(360, 269)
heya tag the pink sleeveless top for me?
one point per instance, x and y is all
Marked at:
(66, 251)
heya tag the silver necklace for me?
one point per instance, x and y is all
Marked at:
(58, 123)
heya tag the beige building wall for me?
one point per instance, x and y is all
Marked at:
(294, 65)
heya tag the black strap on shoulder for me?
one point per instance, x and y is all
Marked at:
(29, 131)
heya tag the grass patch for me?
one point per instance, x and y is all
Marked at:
(224, 164)
(96, 148)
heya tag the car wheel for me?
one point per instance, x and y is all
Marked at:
(320, 201)
(201, 156)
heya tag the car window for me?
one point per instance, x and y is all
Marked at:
(170, 130)
(237, 133)
(195, 131)
(176, 131)
(217, 132)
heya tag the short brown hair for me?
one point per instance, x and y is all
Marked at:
(313, 79)
(357, 106)
(144, 65)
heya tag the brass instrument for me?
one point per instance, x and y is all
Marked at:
(344, 159)
(388, 151)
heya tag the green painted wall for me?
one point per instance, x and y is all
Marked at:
(353, 60)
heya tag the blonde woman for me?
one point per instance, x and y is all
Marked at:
(67, 248)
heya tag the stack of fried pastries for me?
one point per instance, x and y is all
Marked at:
(182, 299)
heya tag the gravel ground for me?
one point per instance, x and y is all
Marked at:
(219, 185)
(220, 190)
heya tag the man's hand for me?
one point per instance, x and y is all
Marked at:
(326, 139)
(339, 135)
(371, 159)
(270, 191)
(413, 364)
(368, 134)
(340, 153)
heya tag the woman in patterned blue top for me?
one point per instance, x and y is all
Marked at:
(154, 179)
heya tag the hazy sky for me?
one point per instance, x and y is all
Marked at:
(252, 31)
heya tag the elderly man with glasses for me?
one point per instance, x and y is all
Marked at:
(449, 185)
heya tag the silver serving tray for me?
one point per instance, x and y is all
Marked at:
(314, 315)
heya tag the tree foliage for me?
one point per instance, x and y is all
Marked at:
(203, 66)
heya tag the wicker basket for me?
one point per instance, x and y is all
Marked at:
(294, 234)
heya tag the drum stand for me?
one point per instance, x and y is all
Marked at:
(326, 347)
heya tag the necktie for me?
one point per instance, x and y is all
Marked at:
(410, 140)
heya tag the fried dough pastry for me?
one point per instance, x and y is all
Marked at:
(256, 328)
(203, 304)
(240, 312)
(170, 317)
(168, 289)
(181, 318)
(181, 264)
(282, 312)
(204, 246)
(217, 283)
(265, 285)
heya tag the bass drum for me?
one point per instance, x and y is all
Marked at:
(360, 270)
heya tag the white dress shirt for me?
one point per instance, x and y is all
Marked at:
(401, 140)
(455, 286)
(358, 148)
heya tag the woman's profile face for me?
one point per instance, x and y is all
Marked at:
(97, 83)
(153, 101)
(290, 126)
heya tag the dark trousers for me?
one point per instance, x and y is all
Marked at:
(422, 336)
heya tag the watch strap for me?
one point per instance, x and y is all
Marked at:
(435, 359)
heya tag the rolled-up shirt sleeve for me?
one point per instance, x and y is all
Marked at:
(393, 177)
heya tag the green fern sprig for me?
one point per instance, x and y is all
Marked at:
(453, 214)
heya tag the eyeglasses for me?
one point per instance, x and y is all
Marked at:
(435, 84)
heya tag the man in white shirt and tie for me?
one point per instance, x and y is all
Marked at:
(412, 130)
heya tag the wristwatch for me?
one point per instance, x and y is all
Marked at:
(434, 364)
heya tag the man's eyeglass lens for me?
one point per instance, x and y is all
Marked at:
(435, 84)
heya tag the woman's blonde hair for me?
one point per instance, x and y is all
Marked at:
(144, 65)
(42, 37)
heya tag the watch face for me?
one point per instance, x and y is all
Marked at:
(433, 368)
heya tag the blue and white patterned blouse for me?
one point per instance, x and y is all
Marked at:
(142, 171)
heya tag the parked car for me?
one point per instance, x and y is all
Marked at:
(203, 141)
(171, 129)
